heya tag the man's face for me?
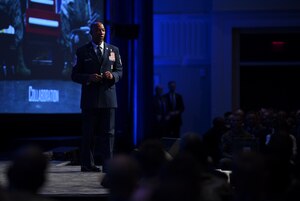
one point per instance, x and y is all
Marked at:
(172, 87)
(98, 33)
(159, 90)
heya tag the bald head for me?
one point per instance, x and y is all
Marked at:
(97, 31)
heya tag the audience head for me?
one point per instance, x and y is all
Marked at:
(251, 119)
(122, 176)
(219, 122)
(192, 144)
(248, 170)
(27, 172)
(151, 157)
(237, 122)
(227, 118)
(239, 112)
(179, 180)
(249, 176)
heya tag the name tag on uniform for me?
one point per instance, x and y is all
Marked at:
(112, 56)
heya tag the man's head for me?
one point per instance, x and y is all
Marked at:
(27, 171)
(172, 86)
(159, 90)
(97, 31)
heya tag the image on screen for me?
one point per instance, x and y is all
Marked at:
(38, 41)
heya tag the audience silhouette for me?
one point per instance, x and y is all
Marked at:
(232, 141)
(197, 171)
(122, 177)
(27, 174)
(212, 139)
(214, 165)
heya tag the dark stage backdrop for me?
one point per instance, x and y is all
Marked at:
(38, 40)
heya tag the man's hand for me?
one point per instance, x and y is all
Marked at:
(108, 75)
(95, 77)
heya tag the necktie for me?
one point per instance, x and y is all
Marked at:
(161, 104)
(173, 100)
(99, 52)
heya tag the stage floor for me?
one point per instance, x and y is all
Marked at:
(65, 180)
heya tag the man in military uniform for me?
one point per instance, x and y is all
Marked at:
(76, 17)
(73, 14)
(11, 14)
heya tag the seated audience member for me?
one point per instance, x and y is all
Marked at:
(152, 158)
(280, 164)
(192, 144)
(212, 139)
(281, 142)
(185, 179)
(122, 177)
(179, 180)
(248, 177)
(235, 140)
(27, 174)
(213, 184)
(254, 127)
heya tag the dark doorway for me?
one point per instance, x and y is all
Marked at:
(269, 70)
